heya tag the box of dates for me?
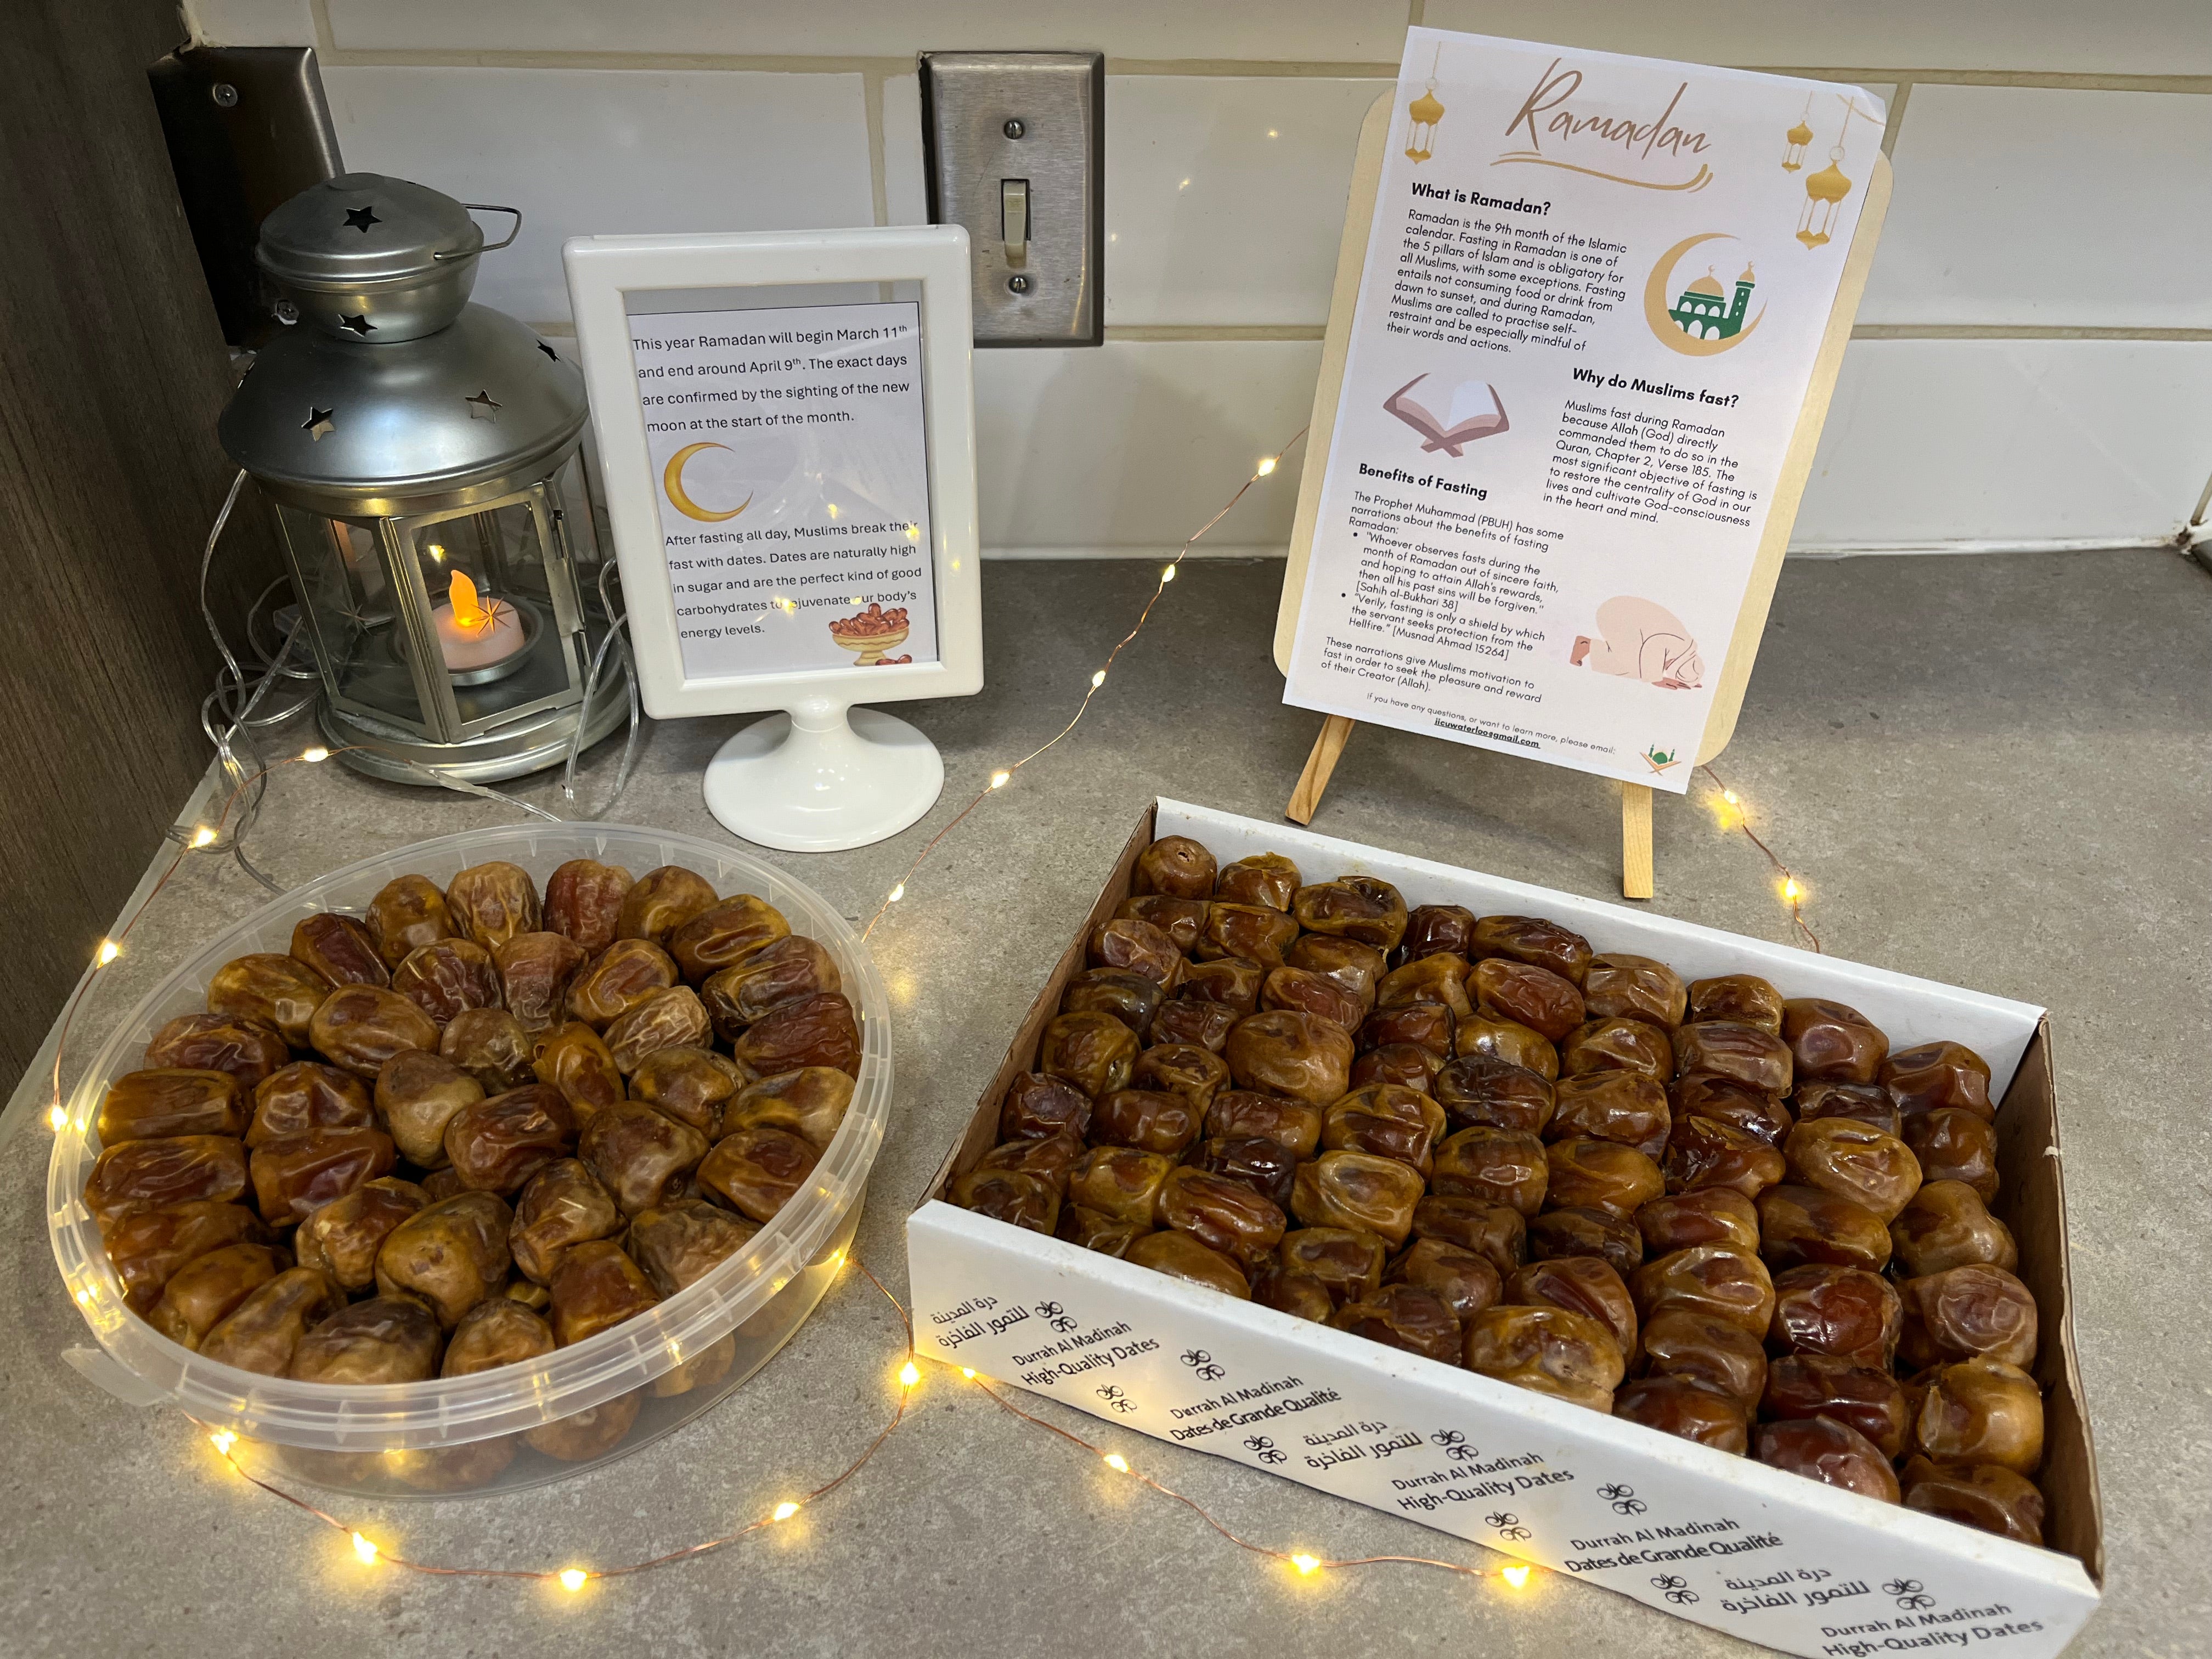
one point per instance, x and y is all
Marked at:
(1727, 1276)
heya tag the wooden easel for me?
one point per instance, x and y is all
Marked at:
(1636, 863)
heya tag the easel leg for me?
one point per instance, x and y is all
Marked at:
(1635, 841)
(1305, 799)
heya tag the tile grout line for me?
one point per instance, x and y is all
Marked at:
(872, 97)
(2043, 80)
(1896, 122)
(1226, 69)
(2022, 331)
(663, 62)
(1265, 333)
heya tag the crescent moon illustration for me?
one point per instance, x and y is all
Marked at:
(671, 480)
(1655, 289)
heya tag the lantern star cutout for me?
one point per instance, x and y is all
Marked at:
(361, 218)
(548, 351)
(318, 424)
(482, 408)
(360, 325)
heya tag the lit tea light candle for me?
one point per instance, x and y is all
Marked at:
(475, 632)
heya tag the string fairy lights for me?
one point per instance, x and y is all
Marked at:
(1735, 815)
(1001, 776)
(574, 1578)
(110, 950)
(1304, 1563)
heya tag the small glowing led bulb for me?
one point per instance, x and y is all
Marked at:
(1000, 780)
(203, 836)
(968, 1371)
(1267, 465)
(1306, 1564)
(1167, 573)
(1731, 798)
(1116, 1462)
(909, 1374)
(1516, 1575)
(1791, 890)
(109, 950)
(318, 753)
(364, 1549)
(1098, 679)
(222, 1440)
(784, 1510)
(572, 1578)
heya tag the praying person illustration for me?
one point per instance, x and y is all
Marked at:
(1643, 640)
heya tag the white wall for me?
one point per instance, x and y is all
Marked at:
(2033, 362)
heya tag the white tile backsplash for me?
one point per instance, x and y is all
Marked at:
(604, 152)
(1928, 442)
(906, 196)
(1982, 440)
(1224, 197)
(252, 22)
(1137, 443)
(1309, 31)
(2143, 37)
(2026, 204)
(2014, 206)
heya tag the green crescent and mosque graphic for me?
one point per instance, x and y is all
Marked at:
(1704, 312)
(1703, 319)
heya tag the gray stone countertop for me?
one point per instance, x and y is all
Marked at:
(1991, 771)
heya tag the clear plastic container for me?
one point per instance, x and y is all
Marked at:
(411, 1439)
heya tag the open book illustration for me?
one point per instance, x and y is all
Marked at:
(1472, 410)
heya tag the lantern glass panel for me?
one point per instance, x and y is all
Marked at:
(500, 602)
(492, 589)
(347, 595)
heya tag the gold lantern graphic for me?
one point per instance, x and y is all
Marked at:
(1793, 154)
(1423, 114)
(1827, 187)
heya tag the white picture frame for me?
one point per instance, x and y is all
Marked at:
(818, 780)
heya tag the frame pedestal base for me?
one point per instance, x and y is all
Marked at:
(823, 778)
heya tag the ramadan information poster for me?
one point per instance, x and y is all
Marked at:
(791, 472)
(1588, 320)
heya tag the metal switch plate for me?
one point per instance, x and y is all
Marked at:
(1016, 153)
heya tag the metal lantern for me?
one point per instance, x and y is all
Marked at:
(423, 455)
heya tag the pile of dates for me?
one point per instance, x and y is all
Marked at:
(471, 1126)
(1707, 1209)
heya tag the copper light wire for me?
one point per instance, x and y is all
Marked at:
(55, 1110)
(575, 1577)
(1097, 681)
(225, 1449)
(1793, 892)
(1288, 1557)
(570, 1577)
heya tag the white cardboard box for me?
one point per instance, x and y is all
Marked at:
(1723, 1541)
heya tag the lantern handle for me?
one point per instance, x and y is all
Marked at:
(489, 247)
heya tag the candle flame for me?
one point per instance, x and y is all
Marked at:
(469, 616)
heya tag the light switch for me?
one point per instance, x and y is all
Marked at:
(1014, 220)
(1016, 153)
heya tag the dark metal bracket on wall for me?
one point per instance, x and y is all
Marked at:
(248, 129)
